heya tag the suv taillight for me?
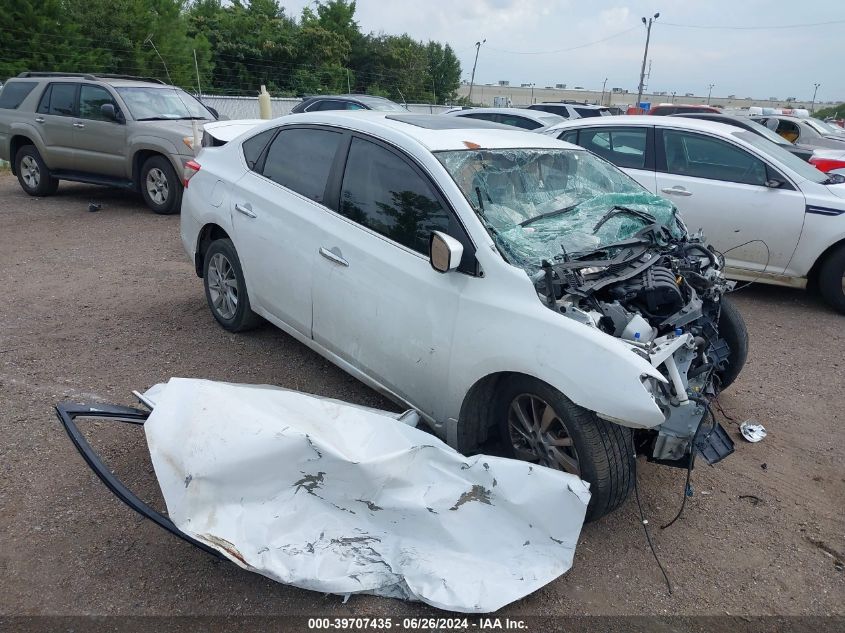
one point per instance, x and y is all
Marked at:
(191, 168)
(827, 164)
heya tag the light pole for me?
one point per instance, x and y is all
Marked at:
(472, 79)
(709, 92)
(532, 92)
(645, 55)
(674, 92)
(603, 86)
(813, 104)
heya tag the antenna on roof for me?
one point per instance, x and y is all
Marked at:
(149, 41)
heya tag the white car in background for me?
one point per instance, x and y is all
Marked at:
(776, 218)
(514, 117)
(495, 280)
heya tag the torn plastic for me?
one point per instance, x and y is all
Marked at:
(512, 187)
(340, 499)
(751, 431)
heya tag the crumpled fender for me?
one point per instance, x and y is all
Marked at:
(593, 369)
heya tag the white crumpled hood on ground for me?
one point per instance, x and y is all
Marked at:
(331, 497)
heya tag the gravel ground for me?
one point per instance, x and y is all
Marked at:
(98, 304)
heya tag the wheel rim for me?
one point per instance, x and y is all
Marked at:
(30, 172)
(538, 434)
(157, 187)
(222, 286)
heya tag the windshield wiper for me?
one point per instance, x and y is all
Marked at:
(548, 214)
(158, 118)
(616, 210)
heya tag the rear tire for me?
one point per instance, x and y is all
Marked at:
(225, 288)
(603, 451)
(732, 329)
(160, 187)
(33, 174)
(832, 279)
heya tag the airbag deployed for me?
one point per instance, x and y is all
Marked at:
(339, 499)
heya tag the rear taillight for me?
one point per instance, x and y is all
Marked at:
(191, 168)
(827, 164)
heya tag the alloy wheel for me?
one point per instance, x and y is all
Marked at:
(30, 172)
(157, 187)
(222, 286)
(538, 434)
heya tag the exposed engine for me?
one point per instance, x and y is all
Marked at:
(662, 297)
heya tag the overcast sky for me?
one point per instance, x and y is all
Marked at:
(757, 63)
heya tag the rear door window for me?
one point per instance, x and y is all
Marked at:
(519, 121)
(14, 92)
(384, 193)
(253, 147)
(59, 99)
(301, 158)
(625, 147)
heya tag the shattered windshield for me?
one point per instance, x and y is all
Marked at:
(541, 203)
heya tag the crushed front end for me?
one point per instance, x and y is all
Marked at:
(663, 297)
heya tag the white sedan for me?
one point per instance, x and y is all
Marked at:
(497, 281)
(776, 218)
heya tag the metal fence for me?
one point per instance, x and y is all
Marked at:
(247, 107)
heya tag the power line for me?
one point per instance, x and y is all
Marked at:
(752, 28)
(563, 50)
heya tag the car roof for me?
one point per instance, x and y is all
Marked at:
(112, 80)
(638, 120)
(572, 104)
(349, 97)
(534, 115)
(433, 131)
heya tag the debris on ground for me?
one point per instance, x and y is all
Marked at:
(751, 431)
(93, 207)
(341, 499)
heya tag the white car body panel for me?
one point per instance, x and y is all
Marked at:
(418, 336)
(732, 213)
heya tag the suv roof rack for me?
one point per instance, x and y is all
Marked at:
(88, 76)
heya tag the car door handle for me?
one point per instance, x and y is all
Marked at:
(676, 191)
(78, 124)
(246, 209)
(39, 119)
(333, 255)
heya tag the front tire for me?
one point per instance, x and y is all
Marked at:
(537, 423)
(33, 174)
(832, 279)
(732, 329)
(160, 187)
(225, 288)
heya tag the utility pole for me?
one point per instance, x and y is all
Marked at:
(603, 86)
(673, 95)
(813, 105)
(709, 92)
(532, 93)
(648, 24)
(472, 79)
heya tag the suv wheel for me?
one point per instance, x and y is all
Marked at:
(539, 424)
(732, 329)
(33, 175)
(225, 288)
(160, 187)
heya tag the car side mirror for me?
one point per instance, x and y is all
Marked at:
(444, 252)
(213, 112)
(108, 111)
(773, 183)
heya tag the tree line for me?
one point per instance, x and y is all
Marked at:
(225, 48)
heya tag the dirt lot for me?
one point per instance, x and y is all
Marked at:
(98, 304)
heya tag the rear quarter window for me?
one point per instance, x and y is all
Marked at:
(14, 92)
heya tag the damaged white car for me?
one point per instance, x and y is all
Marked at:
(501, 283)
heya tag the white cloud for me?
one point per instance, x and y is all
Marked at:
(759, 63)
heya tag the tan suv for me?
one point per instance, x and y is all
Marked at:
(112, 130)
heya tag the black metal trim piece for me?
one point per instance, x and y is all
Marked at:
(823, 211)
(67, 414)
